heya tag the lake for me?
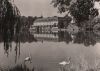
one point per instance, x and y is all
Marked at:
(49, 49)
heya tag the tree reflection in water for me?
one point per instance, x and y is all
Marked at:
(17, 51)
(67, 37)
(86, 38)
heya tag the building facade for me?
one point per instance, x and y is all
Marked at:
(47, 24)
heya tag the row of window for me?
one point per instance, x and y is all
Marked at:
(54, 25)
(45, 23)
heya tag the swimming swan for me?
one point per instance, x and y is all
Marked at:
(65, 62)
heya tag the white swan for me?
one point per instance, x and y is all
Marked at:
(28, 59)
(66, 62)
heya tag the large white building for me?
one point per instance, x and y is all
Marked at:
(50, 21)
(47, 24)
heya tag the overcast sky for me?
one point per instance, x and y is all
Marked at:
(37, 8)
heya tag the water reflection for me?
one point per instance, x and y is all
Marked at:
(86, 38)
(17, 52)
(48, 49)
(82, 37)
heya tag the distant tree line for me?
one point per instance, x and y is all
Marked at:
(26, 22)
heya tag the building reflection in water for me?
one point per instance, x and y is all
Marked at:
(83, 37)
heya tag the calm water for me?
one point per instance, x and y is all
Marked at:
(51, 48)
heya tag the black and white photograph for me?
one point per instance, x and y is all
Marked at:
(49, 35)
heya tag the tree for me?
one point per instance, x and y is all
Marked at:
(80, 10)
(9, 19)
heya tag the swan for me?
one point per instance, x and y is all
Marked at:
(65, 62)
(28, 59)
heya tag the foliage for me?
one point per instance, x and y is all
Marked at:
(68, 20)
(9, 22)
(9, 19)
(26, 22)
(80, 10)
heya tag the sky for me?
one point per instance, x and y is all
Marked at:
(36, 8)
(39, 7)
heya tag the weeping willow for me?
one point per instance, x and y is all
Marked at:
(9, 20)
